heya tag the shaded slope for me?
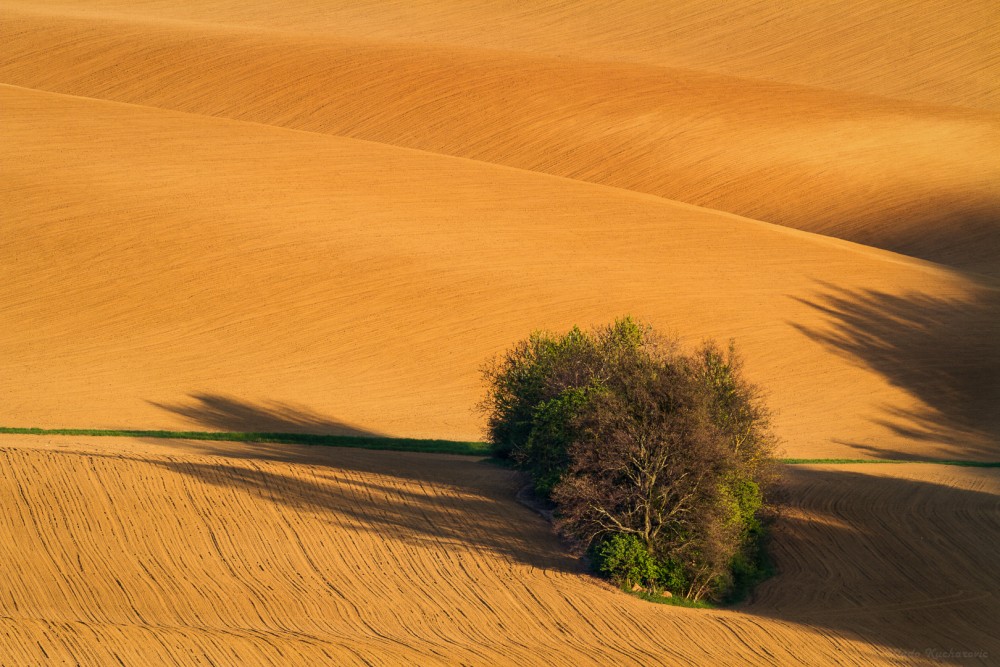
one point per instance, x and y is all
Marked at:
(921, 180)
(173, 553)
(151, 257)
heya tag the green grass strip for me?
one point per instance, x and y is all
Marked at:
(942, 462)
(361, 442)
(675, 601)
(392, 444)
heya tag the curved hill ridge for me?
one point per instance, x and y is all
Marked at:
(917, 50)
(166, 263)
(919, 180)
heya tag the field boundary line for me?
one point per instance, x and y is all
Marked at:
(429, 446)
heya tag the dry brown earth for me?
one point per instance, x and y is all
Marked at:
(144, 552)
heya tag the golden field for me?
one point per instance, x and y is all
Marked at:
(324, 217)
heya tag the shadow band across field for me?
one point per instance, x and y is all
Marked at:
(226, 413)
(943, 352)
(454, 502)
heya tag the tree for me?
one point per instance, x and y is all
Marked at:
(658, 458)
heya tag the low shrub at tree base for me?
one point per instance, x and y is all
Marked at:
(659, 462)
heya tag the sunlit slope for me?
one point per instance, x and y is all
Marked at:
(920, 50)
(920, 180)
(121, 550)
(168, 270)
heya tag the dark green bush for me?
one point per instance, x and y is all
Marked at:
(545, 451)
(672, 576)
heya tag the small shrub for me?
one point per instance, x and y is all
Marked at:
(625, 560)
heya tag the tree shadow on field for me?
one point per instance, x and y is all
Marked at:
(902, 557)
(225, 413)
(943, 352)
(442, 500)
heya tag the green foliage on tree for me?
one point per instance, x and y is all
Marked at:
(659, 462)
(624, 559)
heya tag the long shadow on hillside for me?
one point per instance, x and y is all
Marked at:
(906, 564)
(225, 413)
(444, 504)
(946, 353)
(441, 500)
(953, 230)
